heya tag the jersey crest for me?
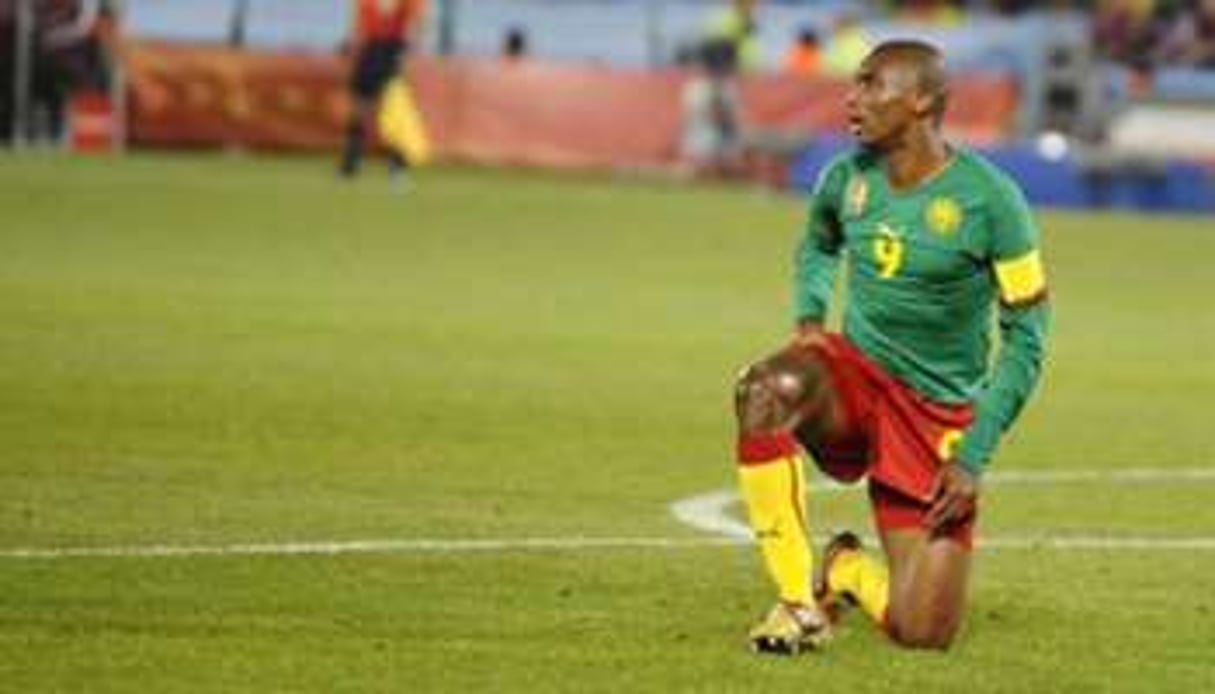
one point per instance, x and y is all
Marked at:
(943, 216)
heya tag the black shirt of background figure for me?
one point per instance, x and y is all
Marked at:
(375, 65)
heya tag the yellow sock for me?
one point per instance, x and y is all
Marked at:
(863, 577)
(774, 491)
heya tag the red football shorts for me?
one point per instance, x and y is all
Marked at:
(892, 434)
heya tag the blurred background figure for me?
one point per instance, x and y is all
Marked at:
(735, 25)
(1190, 40)
(1127, 32)
(62, 65)
(238, 24)
(515, 44)
(805, 54)
(712, 128)
(8, 60)
(847, 46)
(383, 33)
(944, 13)
(1012, 8)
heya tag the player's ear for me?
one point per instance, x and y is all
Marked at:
(923, 103)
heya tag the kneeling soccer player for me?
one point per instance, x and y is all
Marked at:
(935, 239)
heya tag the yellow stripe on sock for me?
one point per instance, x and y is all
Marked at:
(775, 496)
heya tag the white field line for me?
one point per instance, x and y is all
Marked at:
(401, 546)
(1126, 476)
(557, 544)
(706, 512)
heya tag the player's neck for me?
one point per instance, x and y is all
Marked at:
(918, 159)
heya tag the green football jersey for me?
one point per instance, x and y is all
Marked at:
(926, 268)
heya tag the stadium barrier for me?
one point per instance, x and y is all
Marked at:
(531, 113)
(210, 96)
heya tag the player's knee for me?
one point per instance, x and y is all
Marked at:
(923, 634)
(765, 397)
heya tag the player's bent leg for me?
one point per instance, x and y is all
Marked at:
(928, 585)
(771, 398)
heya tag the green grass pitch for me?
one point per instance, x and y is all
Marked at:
(202, 351)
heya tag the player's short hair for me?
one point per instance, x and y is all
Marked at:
(929, 65)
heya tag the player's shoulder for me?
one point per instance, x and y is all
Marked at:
(840, 168)
(979, 172)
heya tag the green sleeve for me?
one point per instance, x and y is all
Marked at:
(818, 253)
(1023, 332)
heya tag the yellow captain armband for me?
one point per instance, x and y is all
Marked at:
(1021, 279)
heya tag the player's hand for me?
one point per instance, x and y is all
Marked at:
(954, 495)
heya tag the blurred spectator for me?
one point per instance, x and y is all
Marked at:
(70, 55)
(805, 55)
(1127, 32)
(514, 44)
(1010, 8)
(1190, 41)
(735, 25)
(847, 46)
(382, 33)
(238, 24)
(8, 47)
(711, 137)
(939, 12)
(711, 129)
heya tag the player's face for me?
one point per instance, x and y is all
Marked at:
(881, 104)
